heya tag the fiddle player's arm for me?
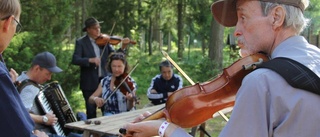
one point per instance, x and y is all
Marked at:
(79, 59)
(96, 97)
(95, 61)
(130, 100)
(125, 42)
(131, 96)
(151, 128)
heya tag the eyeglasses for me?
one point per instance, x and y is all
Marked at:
(19, 26)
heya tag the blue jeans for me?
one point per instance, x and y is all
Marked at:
(69, 135)
(74, 135)
(107, 114)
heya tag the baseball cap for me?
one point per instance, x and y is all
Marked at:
(225, 12)
(90, 22)
(46, 60)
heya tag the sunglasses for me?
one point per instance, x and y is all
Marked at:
(19, 26)
(117, 56)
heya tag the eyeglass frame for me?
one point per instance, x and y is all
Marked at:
(18, 27)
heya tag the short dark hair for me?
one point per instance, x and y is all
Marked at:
(165, 63)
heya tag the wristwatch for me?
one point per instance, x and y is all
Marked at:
(44, 119)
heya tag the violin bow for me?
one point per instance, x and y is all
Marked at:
(187, 77)
(114, 23)
(135, 66)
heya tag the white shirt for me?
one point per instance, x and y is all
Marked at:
(267, 106)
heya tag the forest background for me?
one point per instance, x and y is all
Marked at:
(185, 29)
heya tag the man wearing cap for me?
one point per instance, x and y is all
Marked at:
(92, 60)
(265, 105)
(42, 67)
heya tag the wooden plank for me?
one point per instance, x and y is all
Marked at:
(111, 124)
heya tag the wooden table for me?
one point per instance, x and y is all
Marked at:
(110, 125)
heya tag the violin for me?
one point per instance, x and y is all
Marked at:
(125, 86)
(205, 99)
(104, 39)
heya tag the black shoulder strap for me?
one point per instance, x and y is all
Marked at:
(295, 73)
(25, 83)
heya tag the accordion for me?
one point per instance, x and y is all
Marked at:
(52, 98)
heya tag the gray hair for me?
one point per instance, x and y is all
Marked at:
(9, 7)
(294, 18)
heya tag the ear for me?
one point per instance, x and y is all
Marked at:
(37, 67)
(278, 14)
(6, 24)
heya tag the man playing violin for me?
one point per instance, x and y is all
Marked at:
(108, 94)
(265, 105)
(92, 58)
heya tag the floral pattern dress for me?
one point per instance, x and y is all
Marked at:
(116, 102)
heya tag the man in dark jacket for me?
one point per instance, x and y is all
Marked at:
(92, 60)
(164, 84)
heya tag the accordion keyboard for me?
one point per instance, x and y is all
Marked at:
(52, 98)
(47, 108)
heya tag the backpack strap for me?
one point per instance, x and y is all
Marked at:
(295, 73)
(25, 83)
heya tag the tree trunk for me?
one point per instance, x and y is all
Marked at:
(180, 29)
(216, 44)
(203, 45)
(156, 28)
(161, 41)
(150, 36)
(169, 42)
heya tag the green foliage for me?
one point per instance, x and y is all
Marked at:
(312, 12)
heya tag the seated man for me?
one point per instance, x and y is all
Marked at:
(164, 84)
(43, 65)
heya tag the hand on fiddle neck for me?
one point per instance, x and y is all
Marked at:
(95, 60)
(125, 42)
(129, 96)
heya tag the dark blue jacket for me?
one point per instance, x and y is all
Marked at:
(15, 120)
(163, 86)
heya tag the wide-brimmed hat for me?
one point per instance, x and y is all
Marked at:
(46, 60)
(90, 22)
(225, 12)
